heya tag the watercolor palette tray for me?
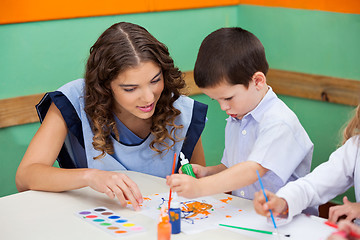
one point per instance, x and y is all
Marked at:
(110, 222)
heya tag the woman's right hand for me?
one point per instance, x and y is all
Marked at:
(278, 205)
(115, 184)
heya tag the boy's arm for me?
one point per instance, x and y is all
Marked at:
(211, 170)
(237, 176)
(201, 171)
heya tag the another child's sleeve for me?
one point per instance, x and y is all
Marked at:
(325, 182)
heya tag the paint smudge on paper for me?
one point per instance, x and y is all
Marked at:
(193, 208)
(226, 200)
(197, 214)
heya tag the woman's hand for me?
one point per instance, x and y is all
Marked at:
(350, 209)
(115, 184)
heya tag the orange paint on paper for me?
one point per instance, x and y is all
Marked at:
(226, 200)
(228, 216)
(240, 210)
(196, 208)
(147, 199)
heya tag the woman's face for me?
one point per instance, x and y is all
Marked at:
(137, 90)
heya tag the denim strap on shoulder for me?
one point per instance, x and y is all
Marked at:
(194, 131)
(71, 118)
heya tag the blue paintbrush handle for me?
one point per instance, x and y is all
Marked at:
(263, 190)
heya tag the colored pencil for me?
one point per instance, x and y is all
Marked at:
(353, 234)
(172, 172)
(266, 199)
(256, 230)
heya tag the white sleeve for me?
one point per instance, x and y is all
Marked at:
(325, 182)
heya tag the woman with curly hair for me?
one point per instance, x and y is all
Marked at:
(127, 114)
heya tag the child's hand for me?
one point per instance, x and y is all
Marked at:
(350, 209)
(199, 170)
(115, 184)
(345, 227)
(184, 185)
(278, 205)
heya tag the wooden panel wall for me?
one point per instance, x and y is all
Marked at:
(21, 110)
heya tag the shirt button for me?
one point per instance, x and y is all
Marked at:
(242, 193)
(243, 132)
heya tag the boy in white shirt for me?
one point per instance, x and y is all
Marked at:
(262, 133)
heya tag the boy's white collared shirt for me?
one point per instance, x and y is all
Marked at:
(272, 136)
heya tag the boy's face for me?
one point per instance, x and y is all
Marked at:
(237, 100)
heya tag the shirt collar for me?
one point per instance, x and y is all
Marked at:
(259, 110)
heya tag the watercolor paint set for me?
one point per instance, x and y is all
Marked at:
(110, 222)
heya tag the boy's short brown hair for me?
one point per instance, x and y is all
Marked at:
(229, 54)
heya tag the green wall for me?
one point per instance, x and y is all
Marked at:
(314, 42)
(41, 56)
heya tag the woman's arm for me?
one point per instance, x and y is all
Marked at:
(198, 156)
(36, 169)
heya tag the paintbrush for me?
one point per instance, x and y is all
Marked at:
(266, 199)
(256, 230)
(172, 172)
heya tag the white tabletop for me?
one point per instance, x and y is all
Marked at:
(45, 215)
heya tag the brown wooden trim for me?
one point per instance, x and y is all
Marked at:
(317, 87)
(192, 89)
(21, 110)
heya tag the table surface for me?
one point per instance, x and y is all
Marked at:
(46, 215)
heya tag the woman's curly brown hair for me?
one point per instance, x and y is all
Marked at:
(120, 47)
